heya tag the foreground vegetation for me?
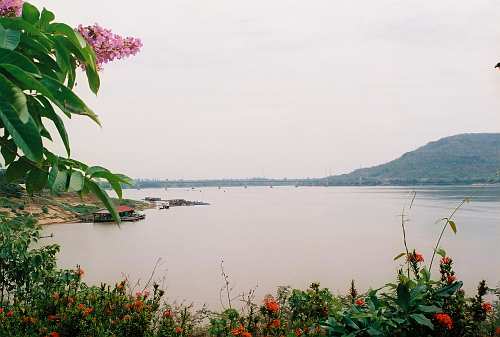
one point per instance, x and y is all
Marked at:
(38, 299)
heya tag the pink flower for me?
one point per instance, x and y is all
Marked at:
(11, 7)
(107, 45)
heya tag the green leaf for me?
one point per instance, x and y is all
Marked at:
(422, 320)
(15, 96)
(60, 180)
(66, 100)
(25, 80)
(101, 172)
(17, 170)
(54, 170)
(76, 182)
(9, 150)
(403, 296)
(103, 196)
(429, 308)
(65, 30)
(449, 289)
(453, 226)
(48, 112)
(30, 13)
(9, 39)
(86, 57)
(46, 18)
(36, 181)
(374, 332)
(25, 135)
(399, 256)
(18, 59)
(441, 252)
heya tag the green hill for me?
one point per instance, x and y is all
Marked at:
(464, 158)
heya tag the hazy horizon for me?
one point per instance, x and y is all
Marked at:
(279, 88)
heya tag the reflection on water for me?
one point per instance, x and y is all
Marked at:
(285, 236)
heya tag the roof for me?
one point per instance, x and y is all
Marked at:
(119, 209)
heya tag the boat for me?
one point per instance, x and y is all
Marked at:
(165, 205)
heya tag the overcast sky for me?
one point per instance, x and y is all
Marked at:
(285, 88)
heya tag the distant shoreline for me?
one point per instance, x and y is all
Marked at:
(323, 182)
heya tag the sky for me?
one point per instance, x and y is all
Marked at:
(284, 88)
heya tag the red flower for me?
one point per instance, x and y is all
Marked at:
(497, 331)
(451, 279)
(167, 314)
(298, 332)
(238, 331)
(271, 304)
(80, 272)
(10, 313)
(87, 312)
(444, 320)
(178, 329)
(246, 334)
(415, 257)
(446, 260)
(81, 306)
(487, 307)
(276, 323)
(360, 302)
(1, 311)
(54, 334)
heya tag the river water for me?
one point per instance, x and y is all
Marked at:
(285, 236)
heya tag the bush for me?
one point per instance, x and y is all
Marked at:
(38, 299)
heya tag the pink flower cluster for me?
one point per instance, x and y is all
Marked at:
(11, 7)
(107, 45)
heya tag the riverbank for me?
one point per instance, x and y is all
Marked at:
(65, 208)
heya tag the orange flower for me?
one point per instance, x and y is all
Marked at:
(56, 296)
(451, 278)
(10, 313)
(497, 331)
(87, 312)
(178, 329)
(238, 331)
(167, 314)
(360, 302)
(80, 272)
(444, 320)
(298, 332)
(415, 257)
(276, 323)
(54, 334)
(138, 305)
(271, 304)
(246, 334)
(81, 306)
(487, 307)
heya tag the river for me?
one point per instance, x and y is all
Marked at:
(285, 236)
